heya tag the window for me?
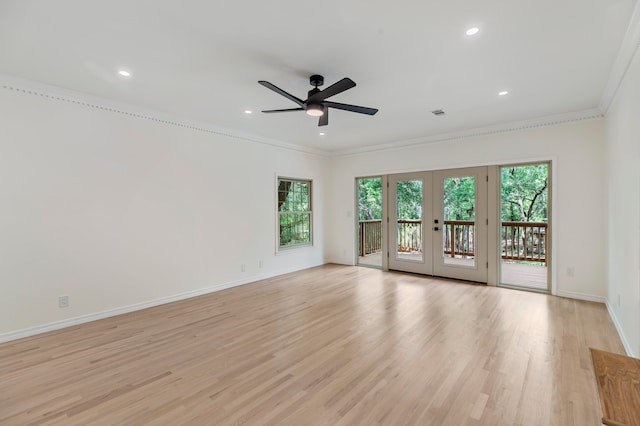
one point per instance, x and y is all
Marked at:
(294, 212)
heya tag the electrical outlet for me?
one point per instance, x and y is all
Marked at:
(619, 300)
(63, 301)
(571, 271)
(260, 264)
(243, 267)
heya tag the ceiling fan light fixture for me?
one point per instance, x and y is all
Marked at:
(315, 110)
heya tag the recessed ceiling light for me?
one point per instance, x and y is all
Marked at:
(503, 93)
(472, 31)
(248, 111)
(124, 73)
(321, 133)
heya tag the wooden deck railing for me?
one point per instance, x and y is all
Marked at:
(370, 236)
(519, 240)
(524, 241)
(410, 235)
(462, 234)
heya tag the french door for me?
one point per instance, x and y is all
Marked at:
(438, 223)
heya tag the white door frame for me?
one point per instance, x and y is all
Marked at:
(432, 262)
(402, 262)
(477, 271)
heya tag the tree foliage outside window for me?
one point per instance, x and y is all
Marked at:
(370, 198)
(294, 212)
(524, 193)
(459, 198)
(409, 199)
(524, 196)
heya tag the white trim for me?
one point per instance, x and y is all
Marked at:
(33, 88)
(355, 217)
(553, 162)
(625, 342)
(57, 325)
(355, 254)
(276, 220)
(337, 261)
(582, 296)
(630, 45)
(515, 126)
(283, 249)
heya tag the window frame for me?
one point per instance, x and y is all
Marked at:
(279, 213)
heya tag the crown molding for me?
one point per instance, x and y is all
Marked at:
(628, 49)
(514, 126)
(58, 94)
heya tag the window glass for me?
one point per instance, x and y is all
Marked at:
(294, 211)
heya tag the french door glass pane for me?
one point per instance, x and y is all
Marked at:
(459, 227)
(409, 220)
(370, 221)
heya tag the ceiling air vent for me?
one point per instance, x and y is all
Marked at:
(437, 112)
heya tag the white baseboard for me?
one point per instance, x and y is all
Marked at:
(339, 261)
(57, 325)
(582, 296)
(625, 342)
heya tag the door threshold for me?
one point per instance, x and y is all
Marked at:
(439, 277)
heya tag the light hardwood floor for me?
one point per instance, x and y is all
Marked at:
(329, 345)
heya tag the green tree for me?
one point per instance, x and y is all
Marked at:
(459, 198)
(524, 193)
(409, 202)
(409, 199)
(370, 198)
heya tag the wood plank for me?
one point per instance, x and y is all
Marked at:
(328, 345)
(531, 276)
(618, 378)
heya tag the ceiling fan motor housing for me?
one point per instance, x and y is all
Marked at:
(316, 80)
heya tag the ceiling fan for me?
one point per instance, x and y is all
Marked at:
(315, 105)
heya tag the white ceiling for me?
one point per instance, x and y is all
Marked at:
(201, 60)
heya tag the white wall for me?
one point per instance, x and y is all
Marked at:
(623, 185)
(577, 152)
(116, 210)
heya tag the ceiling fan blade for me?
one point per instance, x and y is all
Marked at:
(334, 89)
(281, 92)
(352, 108)
(324, 118)
(283, 110)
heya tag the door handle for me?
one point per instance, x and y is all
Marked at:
(435, 228)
